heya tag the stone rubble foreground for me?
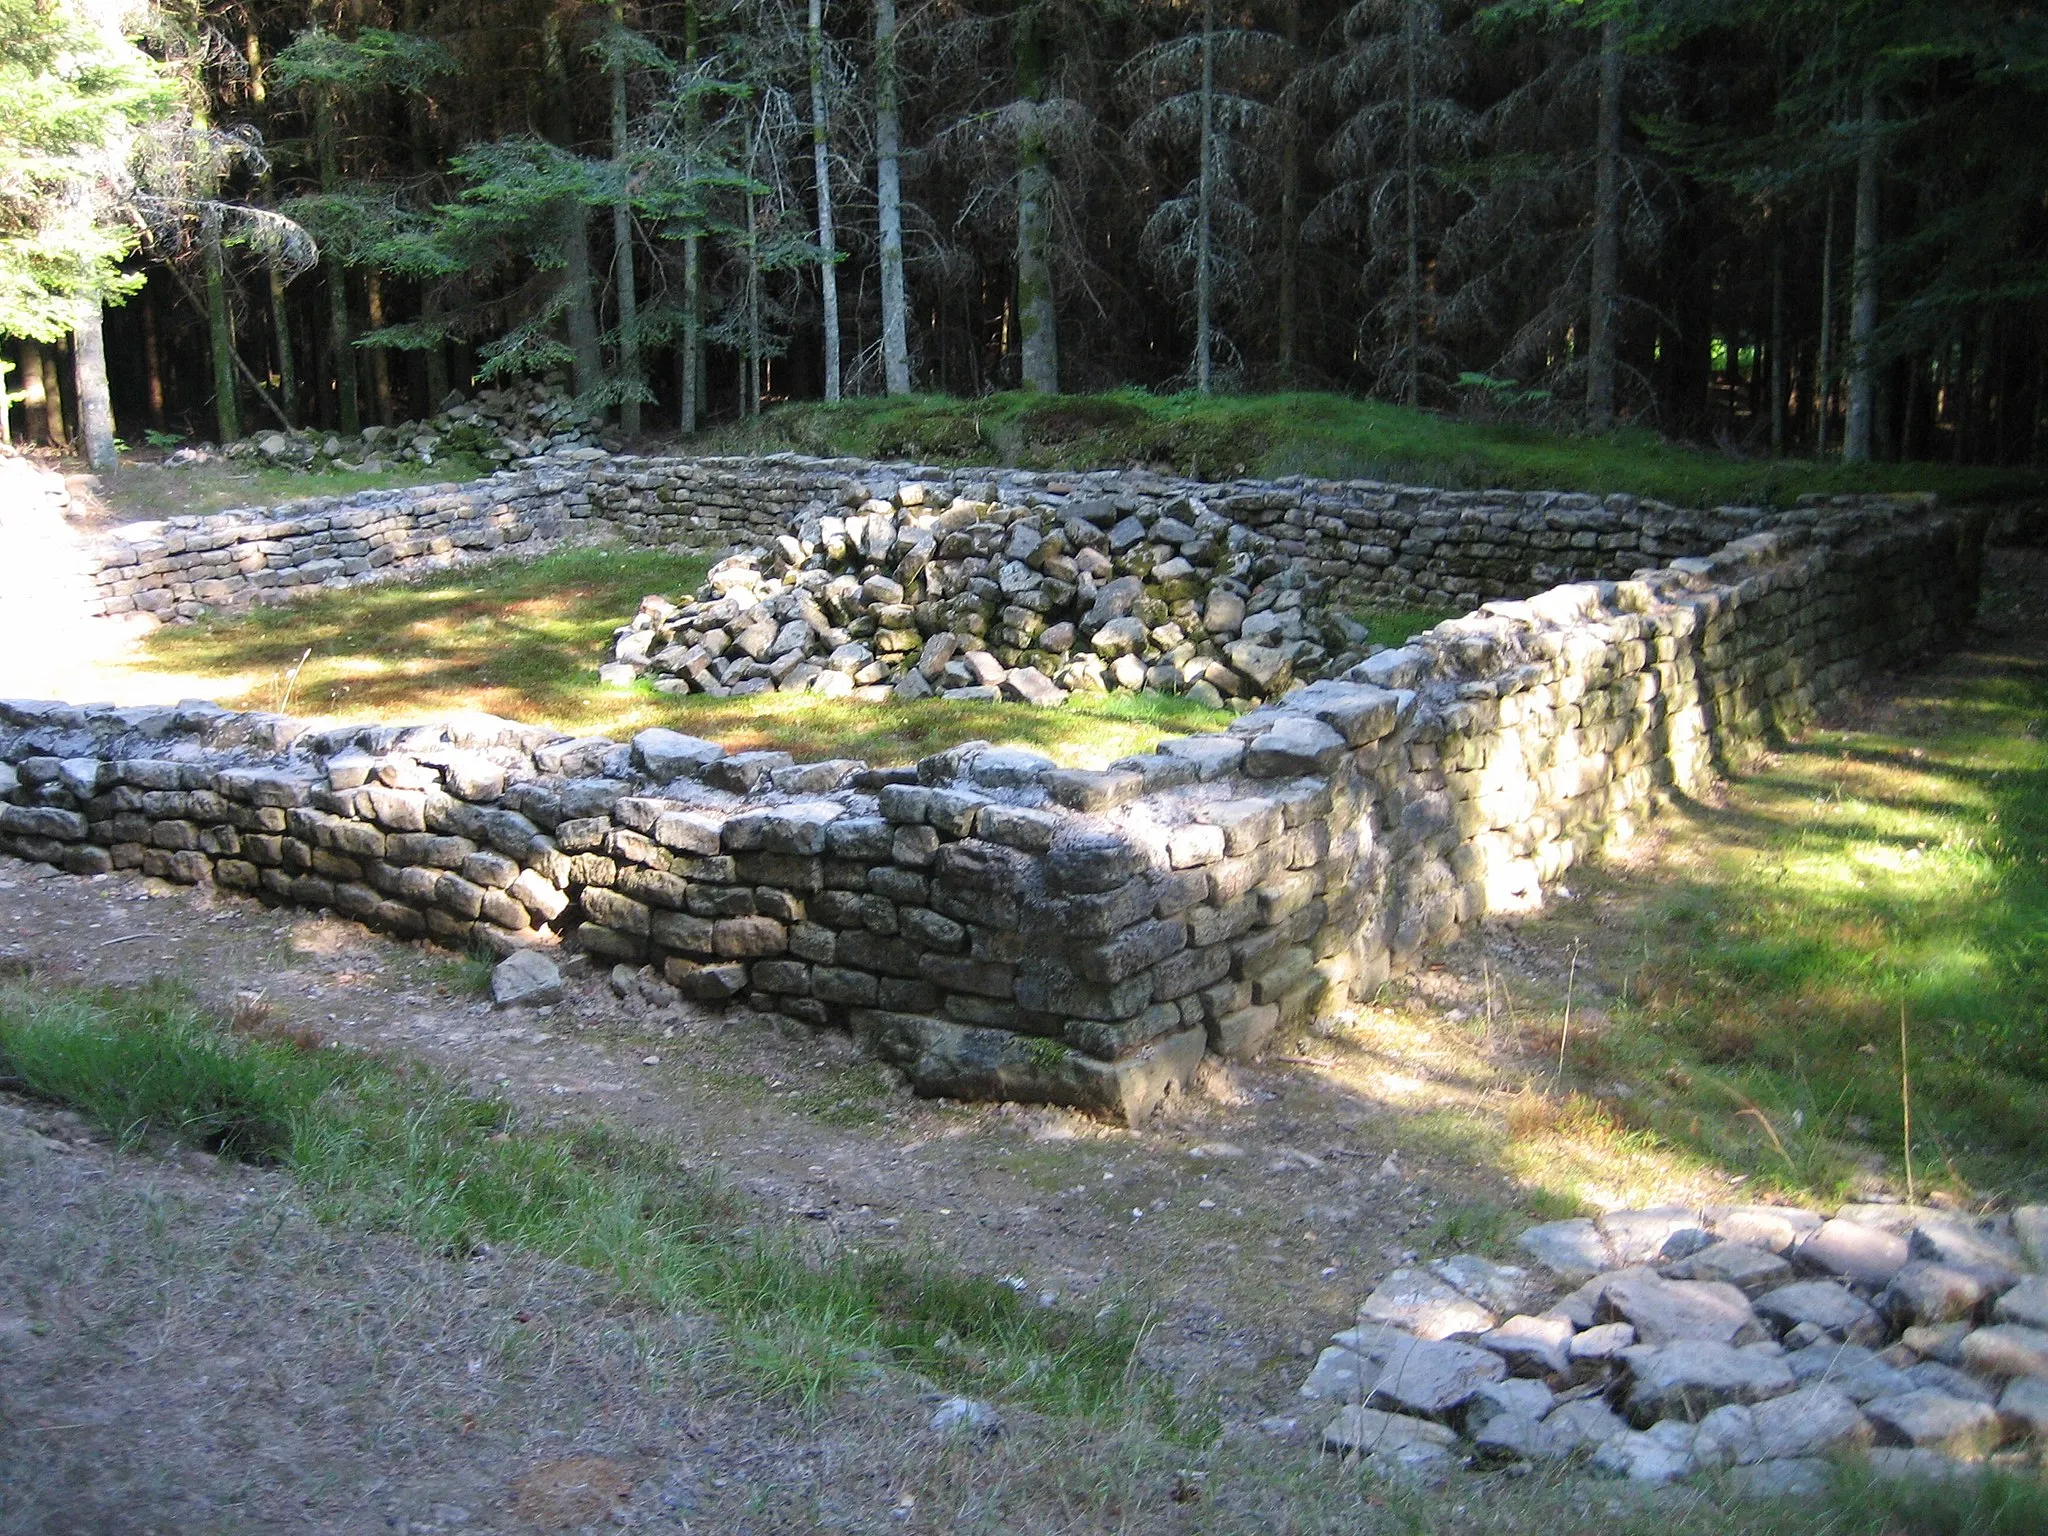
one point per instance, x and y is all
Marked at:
(1657, 1345)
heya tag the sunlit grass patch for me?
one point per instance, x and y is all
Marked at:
(523, 639)
(1888, 876)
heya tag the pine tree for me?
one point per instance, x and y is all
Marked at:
(1208, 92)
(1397, 159)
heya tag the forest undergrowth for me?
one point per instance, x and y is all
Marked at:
(1329, 436)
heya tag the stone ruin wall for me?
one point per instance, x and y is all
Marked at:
(993, 924)
(1367, 542)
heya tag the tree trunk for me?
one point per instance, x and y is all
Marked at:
(1777, 343)
(220, 330)
(1205, 286)
(1606, 297)
(287, 361)
(821, 166)
(750, 397)
(889, 201)
(1824, 380)
(341, 351)
(581, 309)
(53, 397)
(1411, 171)
(579, 292)
(35, 399)
(692, 361)
(691, 366)
(437, 350)
(1858, 431)
(1290, 215)
(380, 357)
(1037, 316)
(622, 248)
(89, 378)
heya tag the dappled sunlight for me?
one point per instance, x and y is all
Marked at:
(1487, 1094)
(1716, 1013)
(523, 639)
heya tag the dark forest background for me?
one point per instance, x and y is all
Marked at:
(1801, 226)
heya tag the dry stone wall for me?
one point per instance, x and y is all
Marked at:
(998, 926)
(1360, 542)
(181, 567)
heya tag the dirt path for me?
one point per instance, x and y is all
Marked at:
(1248, 1224)
(50, 648)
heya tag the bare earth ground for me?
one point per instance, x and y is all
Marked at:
(183, 1349)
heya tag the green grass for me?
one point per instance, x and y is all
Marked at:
(1395, 626)
(1325, 435)
(523, 638)
(1898, 868)
(148, 490)
(393, 1146)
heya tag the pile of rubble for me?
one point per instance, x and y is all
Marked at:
(903, 599)
(1756, 1339)
(520, 421)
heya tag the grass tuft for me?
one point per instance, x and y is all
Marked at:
(395, 1147)
(141, 1064)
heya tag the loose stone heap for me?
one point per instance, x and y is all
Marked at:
(521, 420)
(980, 599)
(1758, 1338)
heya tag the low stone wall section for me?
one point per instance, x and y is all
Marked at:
(993, 924)
(1363, 542)
(182, 567)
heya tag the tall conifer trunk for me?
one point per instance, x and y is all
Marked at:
(152, 360)
(1777, 360)
(1858, 430)
(1205, 287)
(691, 365)
(821, 166)
(622, 244)
(55, 424)
(578, 284)
(1411, 171)
(1606, 295)
(340, 343)
(95, 401)
(579, 289)
(1824, 366)
(1038, 347)
(280, 310)
(889, 203)
(380, 357)
(1290, 215)
(35, 399)
(220, 330)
